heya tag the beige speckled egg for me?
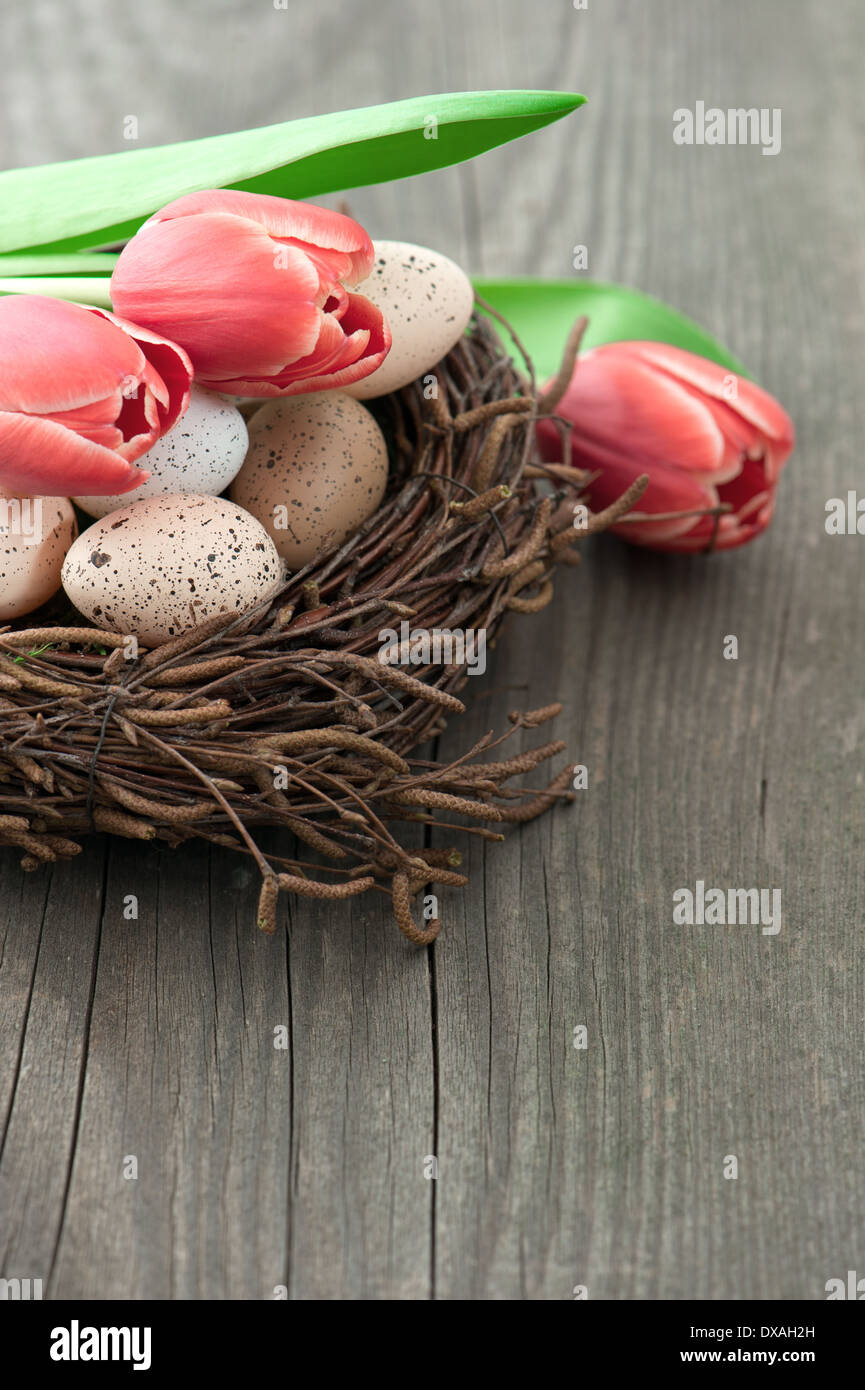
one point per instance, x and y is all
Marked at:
(35, 534)
(158, 567)
(202, 453)
(426, 299)
(316, 469)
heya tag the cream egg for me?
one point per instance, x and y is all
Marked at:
(316, 469)
(35, 534)
(427, 301)
(202, 453)
(158, 567)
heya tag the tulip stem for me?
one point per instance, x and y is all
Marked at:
(80, 289)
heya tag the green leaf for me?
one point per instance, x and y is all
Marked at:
(105, 198)
(85, 289)
(36, 651)
(42, 263)
(542, 312)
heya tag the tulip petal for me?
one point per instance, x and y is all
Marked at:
(732, 530)
(751, 402)
(218, 285)
(315, 227)
(38, 457)
(56, 356)
(363, 344)
(668, 490)
(619, 402)
(751, 482)
(92, 416)
(108, 435)
(144, 415)
(753, 502)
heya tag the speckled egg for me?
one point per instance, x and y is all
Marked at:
(316, 469)
(426, 299)
(203, 452)
(35, 534)
(158, 567)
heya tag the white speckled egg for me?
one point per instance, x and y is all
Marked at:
(158, 567)
(316, 469)
(202, 453)
(426, 299)
(35, 534)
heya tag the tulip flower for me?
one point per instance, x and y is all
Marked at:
(707, 439)
(82, 395)
(254, 287)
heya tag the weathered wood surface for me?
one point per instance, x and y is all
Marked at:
(557, 1167)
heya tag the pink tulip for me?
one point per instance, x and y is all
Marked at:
(254, 288)
(704, 436)
(82, 395)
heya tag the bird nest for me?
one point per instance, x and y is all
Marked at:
(287, 717)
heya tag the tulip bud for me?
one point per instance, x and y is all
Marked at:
(82, 395)
(254, 287)
(712, 443)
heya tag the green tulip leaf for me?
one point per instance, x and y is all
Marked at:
(542, 312)
(105, 198)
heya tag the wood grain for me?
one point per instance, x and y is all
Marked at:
(557, 1167)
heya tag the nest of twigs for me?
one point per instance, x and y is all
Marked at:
(290, 719)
